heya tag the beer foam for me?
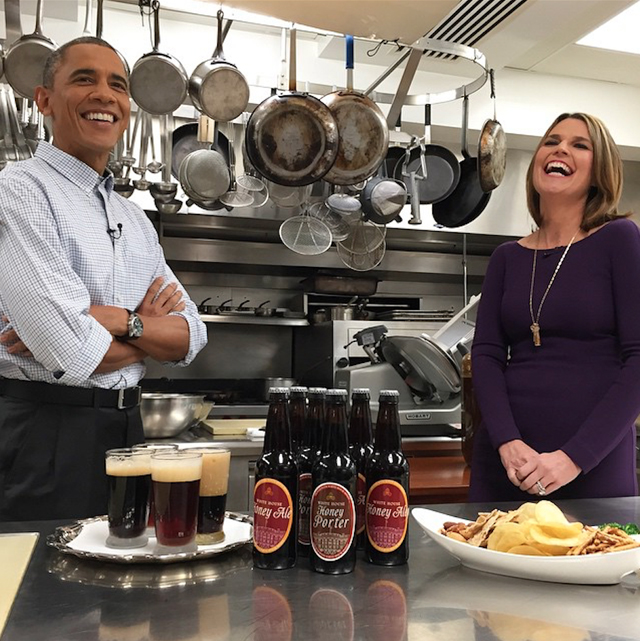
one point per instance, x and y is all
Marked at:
(176, 470)
(128, 466)
(215, 472)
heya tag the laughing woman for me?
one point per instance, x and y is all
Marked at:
(556, 353)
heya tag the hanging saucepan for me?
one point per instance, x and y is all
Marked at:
(383, 198)
(468, 200)
(24, 61)
(204, 173)
(492, 148)
(362, 131)
(158, 81)
(216, 86)
(443, 170)
(292, 139)
(99, 25)
(184, 140)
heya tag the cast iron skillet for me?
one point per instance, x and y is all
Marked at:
(468, 200)
(443, 170)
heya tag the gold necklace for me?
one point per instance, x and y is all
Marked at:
(535, 320)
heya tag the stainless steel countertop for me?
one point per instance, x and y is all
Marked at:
(433, 598)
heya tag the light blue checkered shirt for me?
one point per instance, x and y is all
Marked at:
(57, 258)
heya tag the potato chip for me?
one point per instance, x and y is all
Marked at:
(505, 536)
(526, 549)
(526, 512)
(548, 512)
(566, 535)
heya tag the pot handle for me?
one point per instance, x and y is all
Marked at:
(415, 200)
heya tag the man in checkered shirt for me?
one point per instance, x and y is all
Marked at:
(85, 297)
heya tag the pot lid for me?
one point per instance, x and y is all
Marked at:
(427, 369)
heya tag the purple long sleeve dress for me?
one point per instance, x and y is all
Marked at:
(580, 390)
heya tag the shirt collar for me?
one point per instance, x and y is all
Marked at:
(73, 169)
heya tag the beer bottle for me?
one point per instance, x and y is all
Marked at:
(470, 410)
(387, 504)
(307, 453)
(333, 514)
(275, 496)
(297, 414)
(360, 449)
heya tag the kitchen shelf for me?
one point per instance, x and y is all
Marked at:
(254, 320)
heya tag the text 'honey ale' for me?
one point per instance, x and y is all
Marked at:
(360, 449)
(387, 504)
(275, 496)
(333, 510)
(307, 455)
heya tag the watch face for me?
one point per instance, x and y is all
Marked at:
(135, 326)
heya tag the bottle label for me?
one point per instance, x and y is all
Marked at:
(272, 515)
(304, 506)
(333, 521)
(387, 515)
(361, 497)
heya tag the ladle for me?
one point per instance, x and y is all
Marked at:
(171, 207)
(142, 184)
(155, 166)
(166, 190)
(123, 186)
(132, 133)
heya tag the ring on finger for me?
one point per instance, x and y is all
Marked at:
(542, 490)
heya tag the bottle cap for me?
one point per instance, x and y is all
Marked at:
(297, 391)
(279, 391)
(361, 392)
(389, 394)
(336, 395)
(317, 392)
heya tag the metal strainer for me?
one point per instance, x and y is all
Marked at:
(340, 228)
(364, 248)
(305, 234)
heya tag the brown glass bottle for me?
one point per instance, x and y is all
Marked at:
(333, 514)
(297, 414)
(307, 454)
(275, 496)
(470, 410)
(387, 503)
(360, 449)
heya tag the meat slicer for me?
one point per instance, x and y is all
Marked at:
(426, 371)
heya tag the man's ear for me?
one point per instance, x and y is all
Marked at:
(42, 99)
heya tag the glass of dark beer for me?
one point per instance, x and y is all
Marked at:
(176, 483)
(213, 494)
(152, 448)
(129, 476)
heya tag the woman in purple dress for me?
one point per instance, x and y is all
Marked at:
(556, 352)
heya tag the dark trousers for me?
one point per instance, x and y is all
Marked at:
(52, 457)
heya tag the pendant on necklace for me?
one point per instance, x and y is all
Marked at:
(535, 330)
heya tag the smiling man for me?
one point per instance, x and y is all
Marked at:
(85, 297)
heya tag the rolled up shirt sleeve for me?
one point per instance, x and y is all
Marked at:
(45, 300)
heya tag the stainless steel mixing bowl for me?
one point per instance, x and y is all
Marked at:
(166, 415)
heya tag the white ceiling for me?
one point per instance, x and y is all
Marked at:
(538, 37)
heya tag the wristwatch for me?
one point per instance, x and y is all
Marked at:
(134, 327)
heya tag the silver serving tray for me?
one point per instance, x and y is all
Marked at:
(65, 534)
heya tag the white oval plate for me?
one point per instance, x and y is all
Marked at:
(593, 569)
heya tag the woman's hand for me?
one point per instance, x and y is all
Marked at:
(551, 470)
(514, 454)
(160, 301)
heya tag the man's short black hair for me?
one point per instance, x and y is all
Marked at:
(56, 57)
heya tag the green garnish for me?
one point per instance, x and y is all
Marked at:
(629, 528)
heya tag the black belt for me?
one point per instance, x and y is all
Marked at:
(64, 395)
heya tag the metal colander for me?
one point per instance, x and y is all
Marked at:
(305, 234)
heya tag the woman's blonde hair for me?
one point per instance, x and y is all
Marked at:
(607, 174)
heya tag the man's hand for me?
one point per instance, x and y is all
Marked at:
(161, 300)
(514, 454)
(14, 345)
(552, 470)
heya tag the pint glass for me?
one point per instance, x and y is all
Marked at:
(129, 476)
(213, 494)
(152, 448)
(176, 481)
